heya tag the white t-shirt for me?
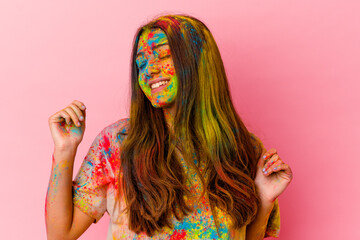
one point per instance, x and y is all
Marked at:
(95, 192)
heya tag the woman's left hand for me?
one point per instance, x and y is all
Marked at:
(272, 176)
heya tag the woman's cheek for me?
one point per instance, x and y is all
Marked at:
(145, 88)
(169, 70)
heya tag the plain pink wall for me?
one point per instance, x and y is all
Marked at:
(293, 68)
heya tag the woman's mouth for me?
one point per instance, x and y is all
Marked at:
(156, 87)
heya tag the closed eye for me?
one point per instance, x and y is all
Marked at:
(166, 56)
(142, 66)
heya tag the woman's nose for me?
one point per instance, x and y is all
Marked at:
(153, 67)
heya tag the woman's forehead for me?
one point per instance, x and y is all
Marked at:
(151, 38)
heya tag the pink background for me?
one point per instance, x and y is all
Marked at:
(293, 68)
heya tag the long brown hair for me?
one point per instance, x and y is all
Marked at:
(153, 182)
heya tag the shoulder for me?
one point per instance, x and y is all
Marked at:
(254, 137)
(111, 131)
(111, 137)
(112, 134)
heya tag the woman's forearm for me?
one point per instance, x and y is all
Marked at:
(58, 203)
(256, 229)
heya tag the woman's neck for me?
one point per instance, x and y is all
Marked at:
(169, 114)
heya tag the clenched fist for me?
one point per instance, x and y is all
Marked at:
(67, 126)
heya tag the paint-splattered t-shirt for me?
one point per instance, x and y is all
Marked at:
(95, 192)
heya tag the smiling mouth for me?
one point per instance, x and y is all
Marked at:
(159, 86)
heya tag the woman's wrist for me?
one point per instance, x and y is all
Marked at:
(61, 155)
(266, 204)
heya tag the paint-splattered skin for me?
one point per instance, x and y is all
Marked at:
(95, 192)
(60, 180)
(154, 61)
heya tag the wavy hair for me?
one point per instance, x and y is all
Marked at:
(153, 180)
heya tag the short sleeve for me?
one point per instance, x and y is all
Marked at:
(273, 225)
(91, 181)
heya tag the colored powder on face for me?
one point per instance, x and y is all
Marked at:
(156, 62)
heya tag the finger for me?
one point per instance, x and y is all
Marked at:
(264, 156)
(262, 159)
(73, 116)
(286, 168)
(269, 153)
(64, 115)
(56, 118)
(270, 161)
(78, 112)
(273, 167)
(81, 105)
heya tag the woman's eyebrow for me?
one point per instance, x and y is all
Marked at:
(140, 53)
(161, 44)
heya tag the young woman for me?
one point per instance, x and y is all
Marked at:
(182, 166)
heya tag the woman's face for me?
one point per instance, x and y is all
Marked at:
(157, 77)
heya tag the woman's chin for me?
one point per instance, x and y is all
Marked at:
(162, 104)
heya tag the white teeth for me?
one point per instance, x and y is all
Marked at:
(156, 85)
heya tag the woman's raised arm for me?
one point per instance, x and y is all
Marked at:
(63, 220)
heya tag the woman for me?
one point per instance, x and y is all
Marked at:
(182, 166)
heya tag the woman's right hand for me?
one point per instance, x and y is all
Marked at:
(65, 130)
